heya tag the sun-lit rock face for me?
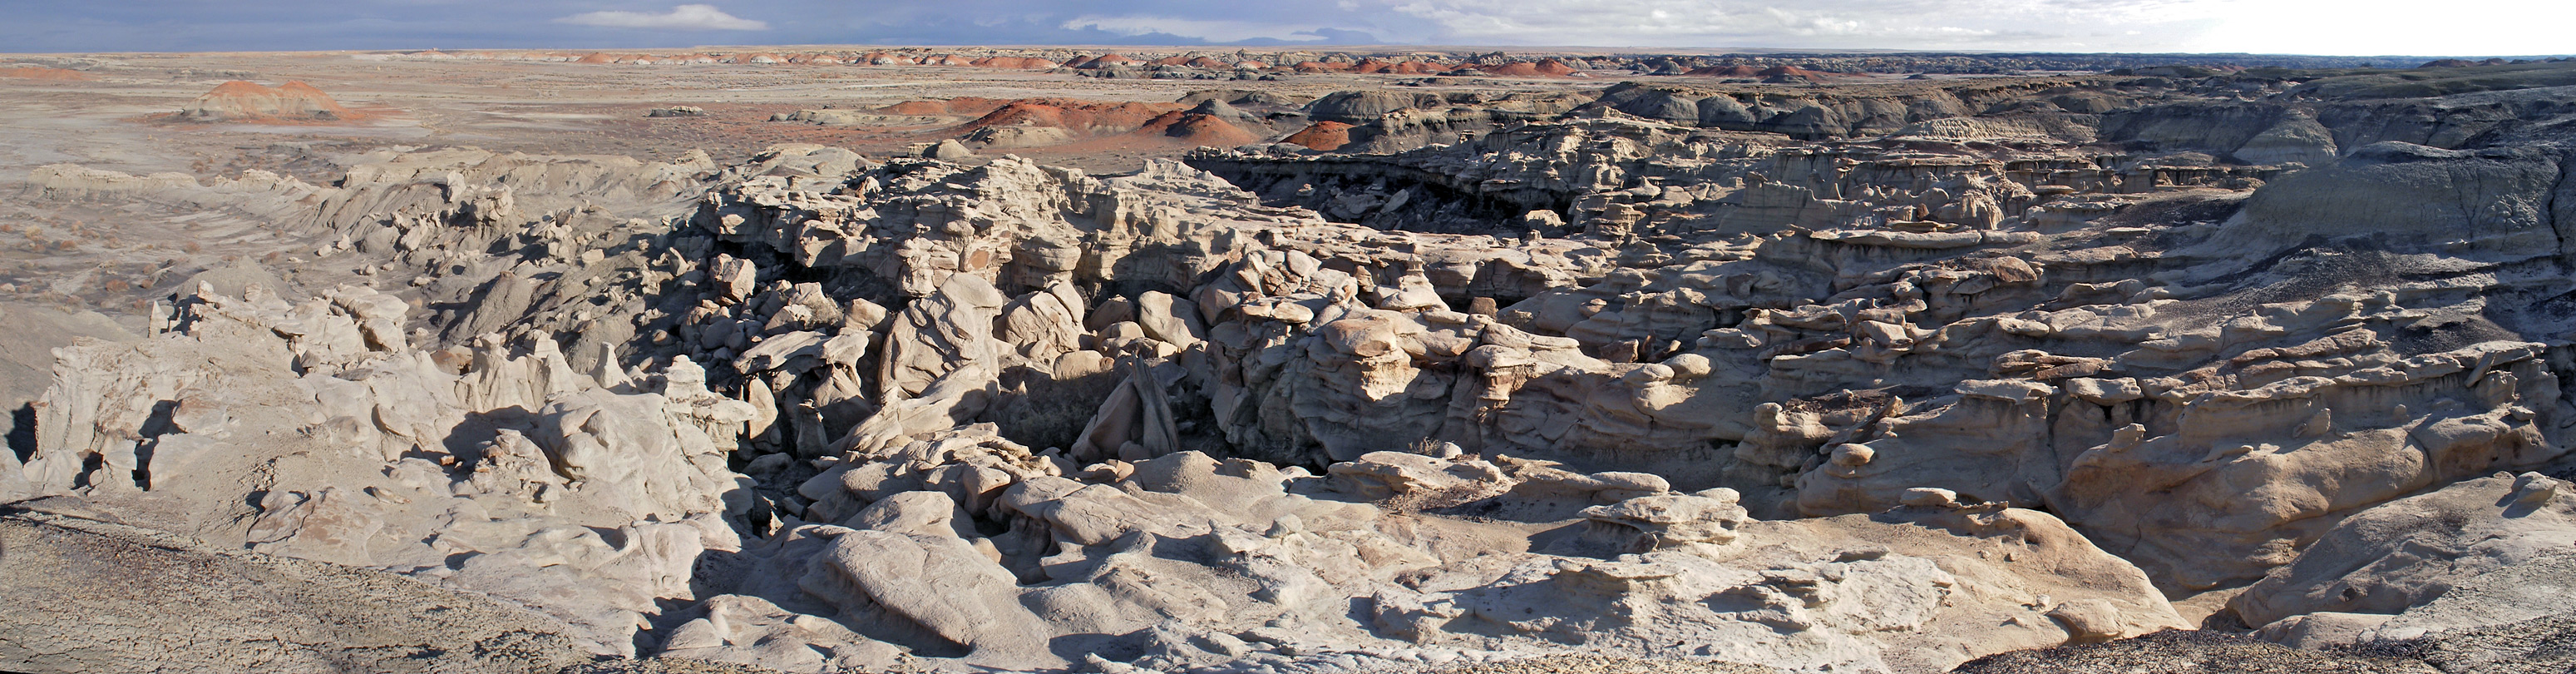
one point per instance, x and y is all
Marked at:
(1816, 379)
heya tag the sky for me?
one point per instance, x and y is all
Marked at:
(2329, 27)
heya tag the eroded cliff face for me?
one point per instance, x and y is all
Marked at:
(1857, 383)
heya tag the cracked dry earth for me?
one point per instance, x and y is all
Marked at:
(2244, 372)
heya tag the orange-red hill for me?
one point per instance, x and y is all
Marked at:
(1196, 128)
(1322, 136)
(1543, 68)
(1018, 62)
(245, 101)
(1071, 113)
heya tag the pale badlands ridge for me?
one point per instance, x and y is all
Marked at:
(1885, 377)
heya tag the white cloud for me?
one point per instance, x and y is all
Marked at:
(1915, 24)
(683, 17)
(1212, 30)
(2470, 28)
(2375, 27)
(2268, 26)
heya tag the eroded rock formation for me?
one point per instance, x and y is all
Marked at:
(1842, 381)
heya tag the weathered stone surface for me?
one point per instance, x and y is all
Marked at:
(1816, 379)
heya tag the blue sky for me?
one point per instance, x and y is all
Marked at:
(2350, 27)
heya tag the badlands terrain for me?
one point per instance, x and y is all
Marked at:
(1049, 360)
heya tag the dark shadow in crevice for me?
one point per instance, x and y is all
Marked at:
(466, 440)
(154, 426)
(1430, 203)
(22, 431)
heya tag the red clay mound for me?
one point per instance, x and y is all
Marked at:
(1023, 112)
(1195, 128)
(43, 73)
(1205, 62)
(596, 58)
(1015, 62)
(1321, 67)
(1255, 65)
(962, 105)
(244, 101)
(1322, 136)
(1545, 68)
(1071, 113)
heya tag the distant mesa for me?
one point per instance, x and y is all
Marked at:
(877, 58)
(44, 73)
(1780, 74)
(237, 101)
(1112, 64)
(2462, 63)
